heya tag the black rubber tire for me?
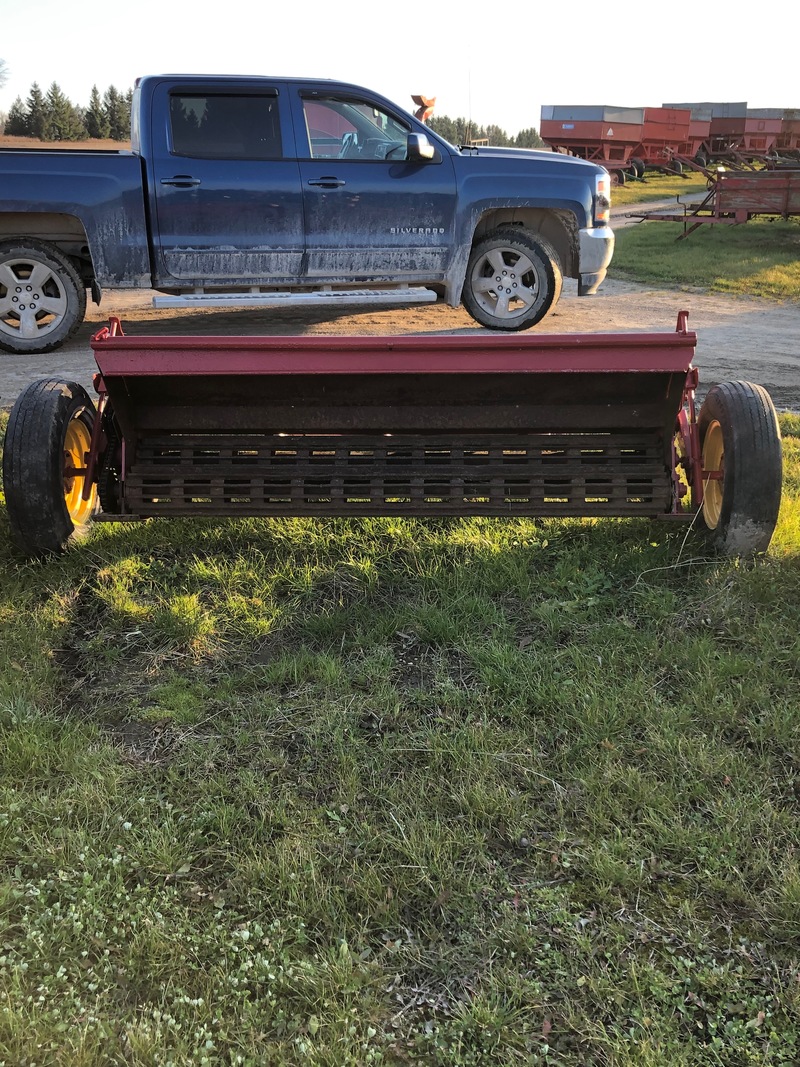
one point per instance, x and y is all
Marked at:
(637, 166)
(618, 177)
(63, 283)
(45, 511)
(676, 166)
(740, 513)
(509, 243)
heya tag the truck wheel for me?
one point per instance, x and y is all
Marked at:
(42, 298)
(513, 279)
(48, 435)
(739, 437)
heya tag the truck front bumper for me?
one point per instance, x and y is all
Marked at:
(596, 247)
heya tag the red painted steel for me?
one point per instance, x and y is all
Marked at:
(478, 424)
(789, 138)
(665, 134)
(118, 355)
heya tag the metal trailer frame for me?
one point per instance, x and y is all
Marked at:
(429, 425)
(735, 197)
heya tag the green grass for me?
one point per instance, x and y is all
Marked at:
(460, 792)
(755, 259)
(658, 187)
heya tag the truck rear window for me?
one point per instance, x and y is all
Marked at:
(225, 126)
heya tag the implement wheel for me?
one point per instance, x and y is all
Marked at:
(47, 440)
(740, 439)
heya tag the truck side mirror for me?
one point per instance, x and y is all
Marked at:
(418, 148)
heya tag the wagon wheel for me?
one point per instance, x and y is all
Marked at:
(742, 471)
(44, 463)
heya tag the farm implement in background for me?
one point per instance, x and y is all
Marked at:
(560, 425)
(735, 197)
(674, 137)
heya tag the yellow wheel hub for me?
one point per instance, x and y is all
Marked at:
(76, 449)
(713, 460)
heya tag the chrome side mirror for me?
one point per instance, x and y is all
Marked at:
(418, 148)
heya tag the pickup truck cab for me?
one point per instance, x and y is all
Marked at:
(252, 191)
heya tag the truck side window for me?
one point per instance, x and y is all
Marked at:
(225, 126)
(352, 129)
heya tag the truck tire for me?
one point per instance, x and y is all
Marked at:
(513, 279)
(48, 435)
(42, 298)
(739, 436)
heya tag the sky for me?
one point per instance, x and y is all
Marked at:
(492, 62)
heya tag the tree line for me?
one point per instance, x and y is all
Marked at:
(462, 131)
(52, 116)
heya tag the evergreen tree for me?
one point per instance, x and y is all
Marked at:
(17, 121)
(117, 113)
(497, 137)
(528, 138)
(444, 126)
(37, 112)
(63, 122)
(128, 102)
(95, 118)
(459, 131)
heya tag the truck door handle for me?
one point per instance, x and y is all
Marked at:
(181, 181)
(327, 183)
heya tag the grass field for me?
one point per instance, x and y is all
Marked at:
(457, 792)
(392, 792)
(659, 187)
(757, 259)
(94, 144)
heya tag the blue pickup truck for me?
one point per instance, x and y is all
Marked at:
(252, 191)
